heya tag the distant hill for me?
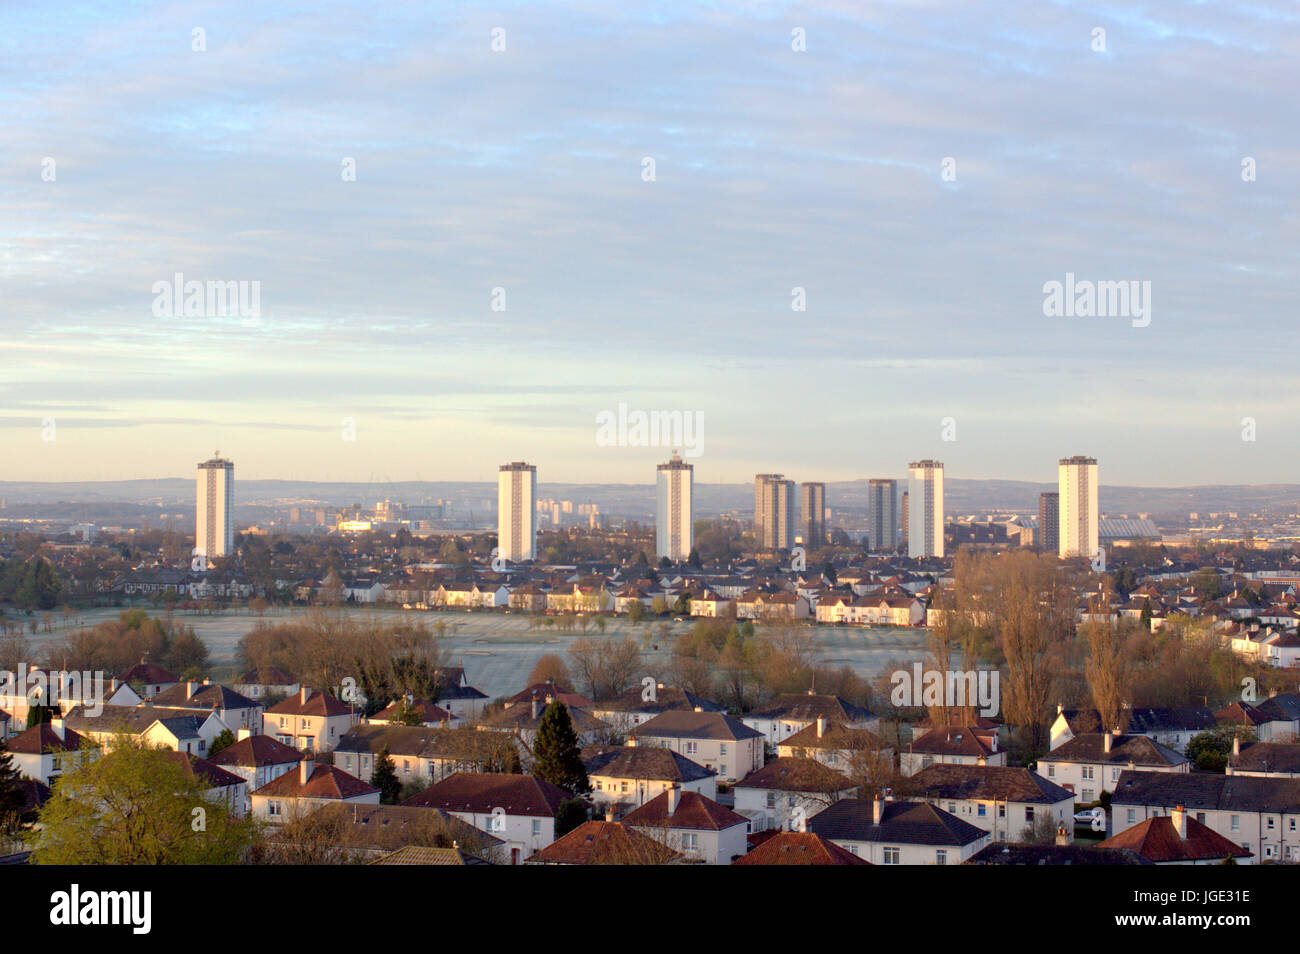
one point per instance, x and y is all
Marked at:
(961, 496)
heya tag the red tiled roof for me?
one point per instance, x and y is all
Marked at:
(318, 704)
(1157, 840)
(42, 740)
(694, 811)
(325, 781)
(604, 843)
(481, 792)
(799, 848)
(256, 750)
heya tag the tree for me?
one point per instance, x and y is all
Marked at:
(571, 813)
(223, 740)
(137, 806)
(551, 668)
(385, 779)
(1210, 750)
(556, 755)
(11, 793)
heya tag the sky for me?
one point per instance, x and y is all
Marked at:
(558, 209)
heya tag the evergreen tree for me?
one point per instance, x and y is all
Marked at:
(556, 756)
(385, 779)
(11, 792)
(38, 714)
(224, 740)
(571, 813)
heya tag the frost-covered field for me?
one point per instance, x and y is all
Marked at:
(499, 650)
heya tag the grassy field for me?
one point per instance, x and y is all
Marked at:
(499, 650)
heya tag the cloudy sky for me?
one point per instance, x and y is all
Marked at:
(128, 156)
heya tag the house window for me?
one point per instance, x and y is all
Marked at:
(692, 748)
(771, 799)
(537, 828)
(1269, 823)
(273, 809)
(1002, 811)
(496, 822)
(1087, 772)
(1200, 817)
(1234, 822)
(690, 840)
(284, 723)
(304, 723)
(940, 857)
(1132, 816)
(1114, 775)
(1029, 814)
(1087, 795)
(891, 856)
(983, 810)
(1051, 770)
(722, 749)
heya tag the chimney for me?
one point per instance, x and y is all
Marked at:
(112, 684)
(303, 694)
(674, 796)
(1179, 817)
(207, 681)
(821, 726)
(534, 708)
(189, 688)
(305, 768)
(1106, 740)
(631, 741)
(1059, 708)
(877, 809)
(1236, 745)
(699, 708)
(609, 813)
(56, 725)
(243, 734)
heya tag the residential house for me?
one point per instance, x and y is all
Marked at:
(1011, 804)
(952, 745)
(799, 848)
(786, 792)
(628, 776)
(718, 742)
(632, 708)
(789, 713)
(1262, 815)
(518, 809)
(605, 843)
(1172, 727)
(46, 751)
(311, 720)
(835, 745)
(697, 826)
(1092, 763)
(1175, 839)
(887, 832)
(295, 795)
(236, 710)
